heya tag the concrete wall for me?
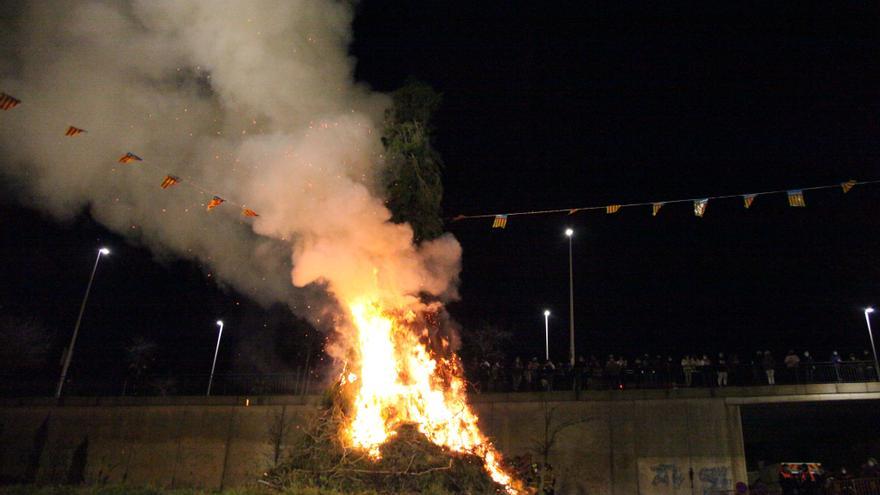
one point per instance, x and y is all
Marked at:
(645, 442)
(627, 446)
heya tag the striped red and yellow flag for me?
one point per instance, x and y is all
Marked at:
(796, 198)
(500, 222)
(7, 102)
(655, 208)
(249, 212)
(748, 199)
(73, 131)
(700, 207)
(846, 186)
(169, 181)
(612, 209)
(130, 157)
(215, 202)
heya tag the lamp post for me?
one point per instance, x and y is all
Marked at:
(82, 308)
(546, 335)
(569, 232)
(868, 311)
(216, 349)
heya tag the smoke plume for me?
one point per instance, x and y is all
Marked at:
(254, 101)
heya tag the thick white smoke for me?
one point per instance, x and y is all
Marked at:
(251, 100)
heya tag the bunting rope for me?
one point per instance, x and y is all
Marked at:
(795, 196)
(8, 102)
(795, 199)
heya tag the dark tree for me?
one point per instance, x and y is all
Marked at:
(484, 341)
(412, 178)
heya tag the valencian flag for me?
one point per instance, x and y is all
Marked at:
(846, 186)
(748, 199)
(612, 209)
(73, 131)
(500, 222)
(796, 198)
(8, 102)
(655, 208)
(249, 212)
(169, 181)
(700, 207)
(215, 202)
(129, 157)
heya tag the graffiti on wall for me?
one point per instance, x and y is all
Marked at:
(667, 475)
(714, 479)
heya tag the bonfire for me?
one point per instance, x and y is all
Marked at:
(398, 417)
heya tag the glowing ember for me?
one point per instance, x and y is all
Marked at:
(398, 381)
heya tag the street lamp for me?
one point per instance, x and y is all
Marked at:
(569, 233)
(868, 311)
(216, 349)
(546, 335)
(103, 251)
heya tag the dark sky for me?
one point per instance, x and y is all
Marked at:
(554, 107)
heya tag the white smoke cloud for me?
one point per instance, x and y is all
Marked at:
(252, 100)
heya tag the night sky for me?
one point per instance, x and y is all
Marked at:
(558, 107)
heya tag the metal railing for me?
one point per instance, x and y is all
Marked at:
(859, 486)
(668, 375)
(504, 380)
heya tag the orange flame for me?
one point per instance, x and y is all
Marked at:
(398, 381)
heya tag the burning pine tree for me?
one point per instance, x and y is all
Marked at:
(398, 418)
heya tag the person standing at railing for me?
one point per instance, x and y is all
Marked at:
(808, 364)
(721, 370)
(806, 481)
(769, 365)
(517, 375)
(835, 362)
(704, 366)
(758, 368)
(845, 478)
(787, 480)
(578, 374)
(792, 362)
(734, 370)
(687, 367)
(870, 469)
(531, 374)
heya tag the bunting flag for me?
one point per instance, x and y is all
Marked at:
(215, 202)
(500, 222)
(700, 207)
(129, 157)
(7, 102)
(796, 198)
(655, 208)
(249, 212)
(73, 131)
(169, 181)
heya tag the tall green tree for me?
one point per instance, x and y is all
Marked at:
(412, 178)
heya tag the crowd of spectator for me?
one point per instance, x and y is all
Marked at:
(691, 370)
(804, 480)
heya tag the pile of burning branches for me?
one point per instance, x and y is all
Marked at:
(409, 463)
